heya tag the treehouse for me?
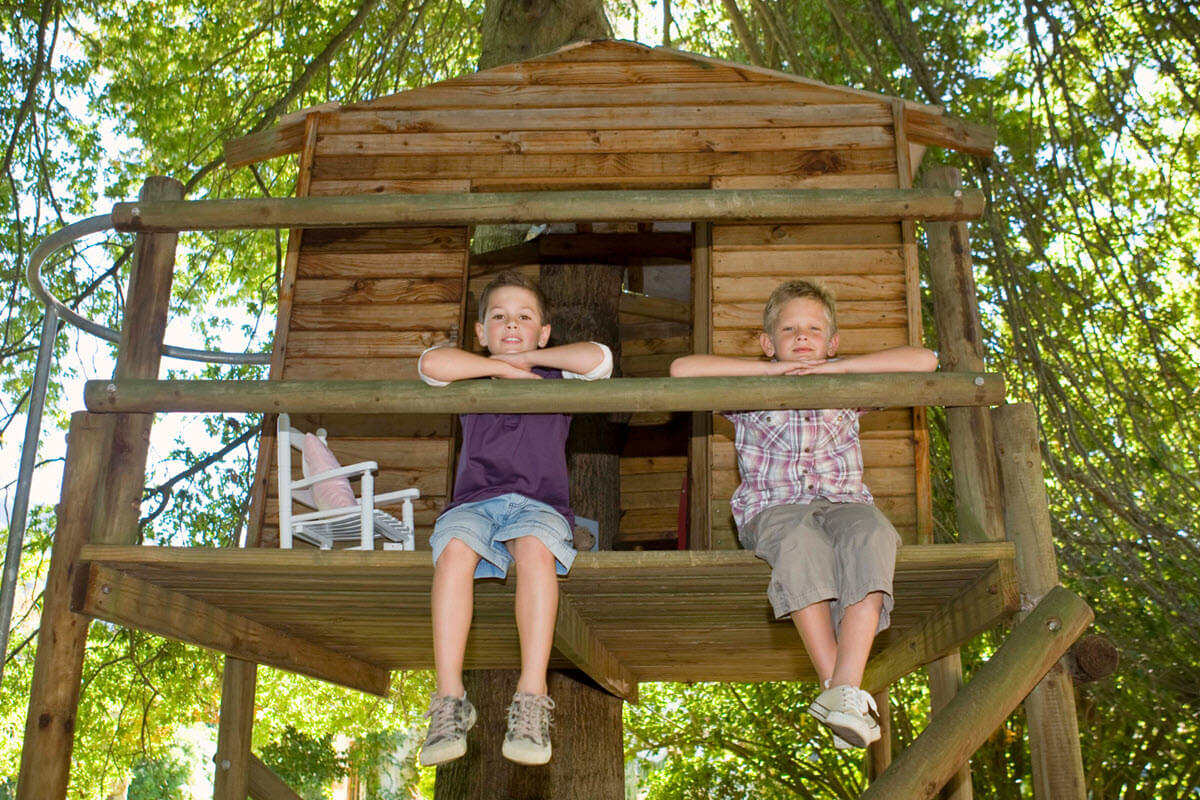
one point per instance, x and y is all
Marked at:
(697, 186)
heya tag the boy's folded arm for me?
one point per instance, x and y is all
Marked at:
(702, 365)
(585, 360)
(905, 358)
(439, 366)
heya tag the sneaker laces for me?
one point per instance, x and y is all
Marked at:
(864, 703)
(443, 717)
(527, 715)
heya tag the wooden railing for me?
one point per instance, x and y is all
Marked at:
(950, 389)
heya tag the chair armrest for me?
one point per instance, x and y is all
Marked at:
(351, 471)
(391, 497)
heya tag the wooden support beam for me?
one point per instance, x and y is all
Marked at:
(879, 754)
(994, 690)
(977, 493)
(1053, 727)
(572, 397)
(231, 779)
(138, 355)
(58, 665)
(937, 130)
(114, 596)
(499, 208)
(990, 600)
(575, 640)
(699, 480)
(264, 784)
(945, 681)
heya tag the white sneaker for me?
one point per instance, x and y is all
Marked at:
(528, 738)
(850, 713)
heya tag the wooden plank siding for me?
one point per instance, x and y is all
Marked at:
(367, 303)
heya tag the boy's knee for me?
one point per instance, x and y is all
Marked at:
(530, 550)
(457, 553)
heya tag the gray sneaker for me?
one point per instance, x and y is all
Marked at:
(528, 737)
(449, 720)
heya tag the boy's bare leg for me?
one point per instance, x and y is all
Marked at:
(536, 610)
(815, 625)
(855, 638)
(453, 603)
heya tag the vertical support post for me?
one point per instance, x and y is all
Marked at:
(960, 349)
(945, 682)
(58, 666)
(700, 443)
(1050, 708)
(879, 754)
(232, 779)
(138, 356)
(912, 303)
(972, 456)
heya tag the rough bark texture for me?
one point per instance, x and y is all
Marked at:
(584, 305)
(588, 759)
(514, 30)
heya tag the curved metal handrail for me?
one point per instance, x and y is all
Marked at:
(76, 231)
(55, 310)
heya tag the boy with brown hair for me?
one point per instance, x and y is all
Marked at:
(803, 508)
(510, 504)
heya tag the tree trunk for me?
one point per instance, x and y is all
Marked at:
(588, 756)
(514, 30)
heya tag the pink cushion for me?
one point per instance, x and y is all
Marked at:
(330, 493)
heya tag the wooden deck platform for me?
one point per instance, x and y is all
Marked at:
(625, 617)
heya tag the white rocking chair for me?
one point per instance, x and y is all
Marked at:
(361, 522)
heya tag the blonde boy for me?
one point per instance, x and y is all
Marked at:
(803, 508)
(510, 504)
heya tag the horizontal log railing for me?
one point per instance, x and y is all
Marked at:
(681, 205)
(577, 397)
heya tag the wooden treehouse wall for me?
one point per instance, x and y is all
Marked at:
(607, 115)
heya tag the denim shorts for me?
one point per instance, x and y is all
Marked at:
(824, 551)
(486, 525)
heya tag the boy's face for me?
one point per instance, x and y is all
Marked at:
(513, 322)
(801, 333)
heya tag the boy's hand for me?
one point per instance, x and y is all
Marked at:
(822, 367)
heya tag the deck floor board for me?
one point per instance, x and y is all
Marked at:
(664, 615)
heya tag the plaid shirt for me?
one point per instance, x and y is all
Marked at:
(796, 456)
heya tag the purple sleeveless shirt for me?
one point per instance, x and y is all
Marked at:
(521, 453)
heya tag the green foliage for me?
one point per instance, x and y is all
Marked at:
(162, 777)
(309, 764)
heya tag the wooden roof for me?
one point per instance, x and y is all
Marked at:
(624, 617)
(600, 74)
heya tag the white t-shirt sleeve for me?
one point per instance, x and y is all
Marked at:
(421, 372)
(602, 370)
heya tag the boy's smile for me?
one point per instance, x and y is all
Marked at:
(513, 323)
(801, 333)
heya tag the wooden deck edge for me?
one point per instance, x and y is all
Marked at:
(909, 557)
(991, 599)
(113, 596)
(576, 640)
